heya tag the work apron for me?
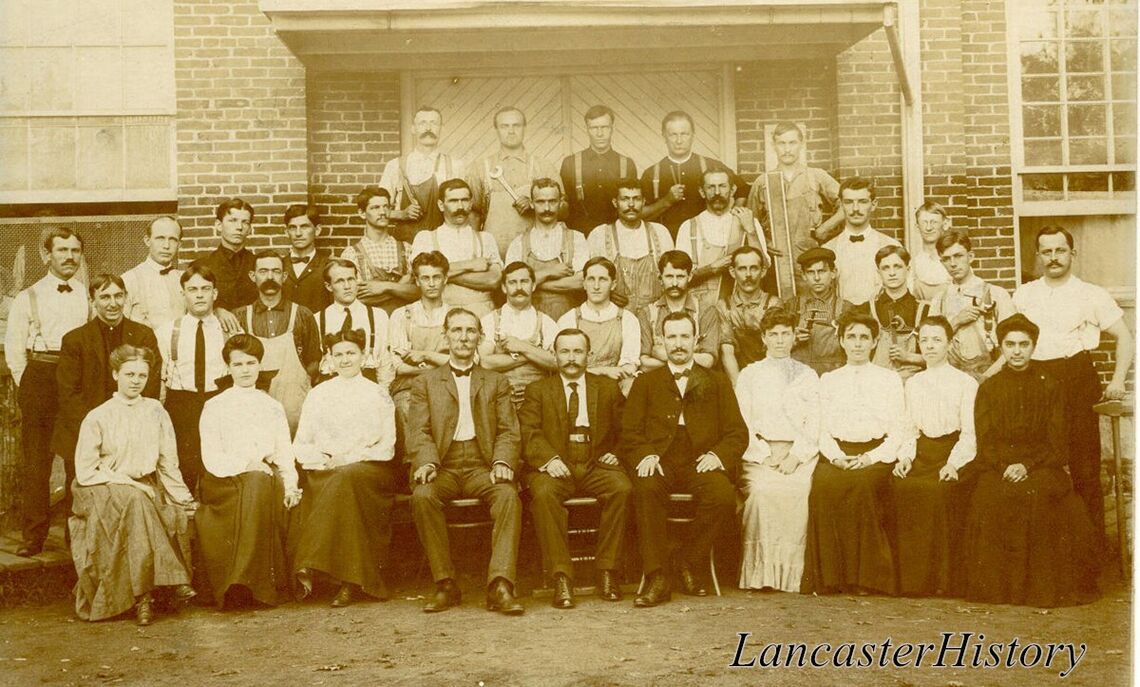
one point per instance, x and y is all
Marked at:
(501, 218)
(553, 304)
(637, 278)
(792, 219)
(291, 383)
(821, 351)
(522, 375)
(973, 346)
(456, 296)
(605, 343)
(709, 292)
(425, 194)
(906, 337)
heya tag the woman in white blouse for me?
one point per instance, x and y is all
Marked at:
(779, 399)
(249, 483)
(927, 493)
(130, 507)
(345, 444)
(862, 425)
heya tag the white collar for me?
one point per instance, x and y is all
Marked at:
(567, 382)
(675, 369)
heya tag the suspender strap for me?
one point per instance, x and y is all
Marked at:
(34, 313)
(694, 231)
(526, 244)
(370, 339)
(174, 340)
(321, 338)
(362, 260)
(567, 247)
(578, 177)
(498, 323)
(623, 166)
(405, 187)
(401, 257)
(292, 318)
(249, 320)
(612, 246)
(657, 182)
(651, 241)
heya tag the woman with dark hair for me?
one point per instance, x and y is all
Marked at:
(130, 506)
(345, 443)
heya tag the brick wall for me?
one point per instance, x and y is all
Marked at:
(241, 118)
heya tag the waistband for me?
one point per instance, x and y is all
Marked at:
(50, 357)
(944, 437)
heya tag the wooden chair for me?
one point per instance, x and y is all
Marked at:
(1114, 410)
(675, 499)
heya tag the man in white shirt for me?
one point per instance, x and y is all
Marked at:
(347, 312)
(518, 338)
(413, 180)
(39, 317)
(415, 331)
(1072, 314)
(856, 245)
(928, 277)
(634, 246)
(555, 252)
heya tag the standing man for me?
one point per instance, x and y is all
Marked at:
(413, 180)
(590, 176)
(898, 313)
(517, 337)
(634, 246)
(857, 243)
(1071, 314)
(741, 342)
(463, 440)
(381, 258)
(305, 263)
(681, 432)
(614, 332)
(289, 333)
(415, 331)
(928, 276)
(676, 268)
(554, 252)
(798, 204)
(570, 424)
(473, 255)
(154, 296)
(231, 262)
(346, 313)
(819, 307)
(500, 182)
(39, 317)
(672, 186)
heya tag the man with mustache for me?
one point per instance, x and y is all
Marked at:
(304, 262)
(710, 237)
(556, 253)
(1072, 314)
(740, 314)
(589, 176)
(289, 333)
(518, 337)
(675, 268)
(38, 318)
(634, 246)
(855, 247)
(381, 259)
(412, 181)
(232, 261)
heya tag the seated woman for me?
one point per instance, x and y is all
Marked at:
(614, 332)
(249, 482)
(928, 490)
(1029, 540)
(861, 428)
(129, 522)
(344, 444)
(779, 399)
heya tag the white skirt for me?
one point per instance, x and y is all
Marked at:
(775, 523)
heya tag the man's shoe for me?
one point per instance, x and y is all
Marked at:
(446, 595)
(500, 598)
(656, 591)
(563, 594)
(345, 596)
(304, 584)
(690, 585)
(608, 587)
(30, 549)
(182, 595)
(143, 612)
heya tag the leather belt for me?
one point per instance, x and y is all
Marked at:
(44, 356)
(581, 437)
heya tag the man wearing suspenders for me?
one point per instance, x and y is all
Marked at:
(898, 313)
(347, 312)
(634, 246)
(676, 268)
(380, 257)
(590, 176)
(39, 317)
(412, 181)
(519, 338)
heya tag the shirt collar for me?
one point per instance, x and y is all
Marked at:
(670, 160)
(130, 402)
(690, 304)
(567, 382)
(521, 154)
(152, 265)
(682, 368)
(311, 254)
(282, 306)
(608, 309)
(738, 297)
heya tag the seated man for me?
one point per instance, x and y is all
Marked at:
(463, 440)
(570, 426)
(682, 432)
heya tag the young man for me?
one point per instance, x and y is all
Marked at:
(675, 268)
(518, 337)
(231, 262)
(681, 432)
(634, 246)
(819, 307)
(741, 341)
(614, 333)
(463, 440)
(570, 424)
(972, 306)
(855, 247)
(898, 313)
(39, 317)
(799, 206)
(415, 331)
(346, 313)
(473, 255)
(304, 263)
(381, 258)
(412, 181)
(554, 252)
(928, 276)
(289, 333)
(590, 176)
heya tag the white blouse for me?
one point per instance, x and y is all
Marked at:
(245, 430)
(940, 400)
(779, 399)
(860, 403)
(345, 421)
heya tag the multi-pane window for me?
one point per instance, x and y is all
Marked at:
(1078, 99)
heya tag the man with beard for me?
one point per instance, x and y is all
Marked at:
(675, 268)
(412, 181)
(305, 263)
(819, 307)
(518, 337)
(289, 333)
(570, 424)
(38, 318)
(381, 258)
(710, 237)
(231, 261)
(554, 252)
(855, 247)
(634, 246)
(740, 314)
(590, 176)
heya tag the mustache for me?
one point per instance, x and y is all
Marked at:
(518, 292)
(269, 285)
(428, 134)
(1051, 263)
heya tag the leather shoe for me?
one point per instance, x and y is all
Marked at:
(500, 598)
(29, 550)
(563, 594)
(690, 585)
(608, 587)
(446, 595)
(182, 595)
(304, 583)
(143, 611)
(345, 596)
(656, 592)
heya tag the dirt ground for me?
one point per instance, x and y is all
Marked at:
(688, 641)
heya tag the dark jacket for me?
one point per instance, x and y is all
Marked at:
(308, 289)
(546, 427)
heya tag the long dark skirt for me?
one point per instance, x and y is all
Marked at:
(342, 526)
(847, 544)
(929, 517)
(241, 528)
(1030, 543)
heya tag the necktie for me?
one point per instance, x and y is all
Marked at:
(301, 259)
(63, 288)
(856, 239)
(680, 375)
(347, 326)
(166, 270)
(200, 360)
(572, 409)
(462, 373)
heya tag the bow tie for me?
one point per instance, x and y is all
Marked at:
(166, 270)
(63, 288)
(461, 373)
(301, 259)
(856, 238)
(680, 375)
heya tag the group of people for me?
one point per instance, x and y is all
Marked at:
(765, 346)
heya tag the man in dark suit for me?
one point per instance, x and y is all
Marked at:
(681, 432)
(84, 372)
(462, 437)
(304, 263)
(570, 424)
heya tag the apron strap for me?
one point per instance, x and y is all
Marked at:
(537, 336)
(567, 256)
(292, 318)
(498, 323)
(704, 167)
(623, 166)
(526, 244)
(694, 235)
(362, 260)
(249, 320)
(657, 182)
(651, 241)
(578, 177)
(612, 246)
(405, 188)
(401, 258)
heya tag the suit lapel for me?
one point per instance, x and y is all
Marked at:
(558, 400)
(592, 406)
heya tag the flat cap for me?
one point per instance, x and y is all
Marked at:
(813, 255)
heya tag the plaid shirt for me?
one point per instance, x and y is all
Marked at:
(383, 257)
